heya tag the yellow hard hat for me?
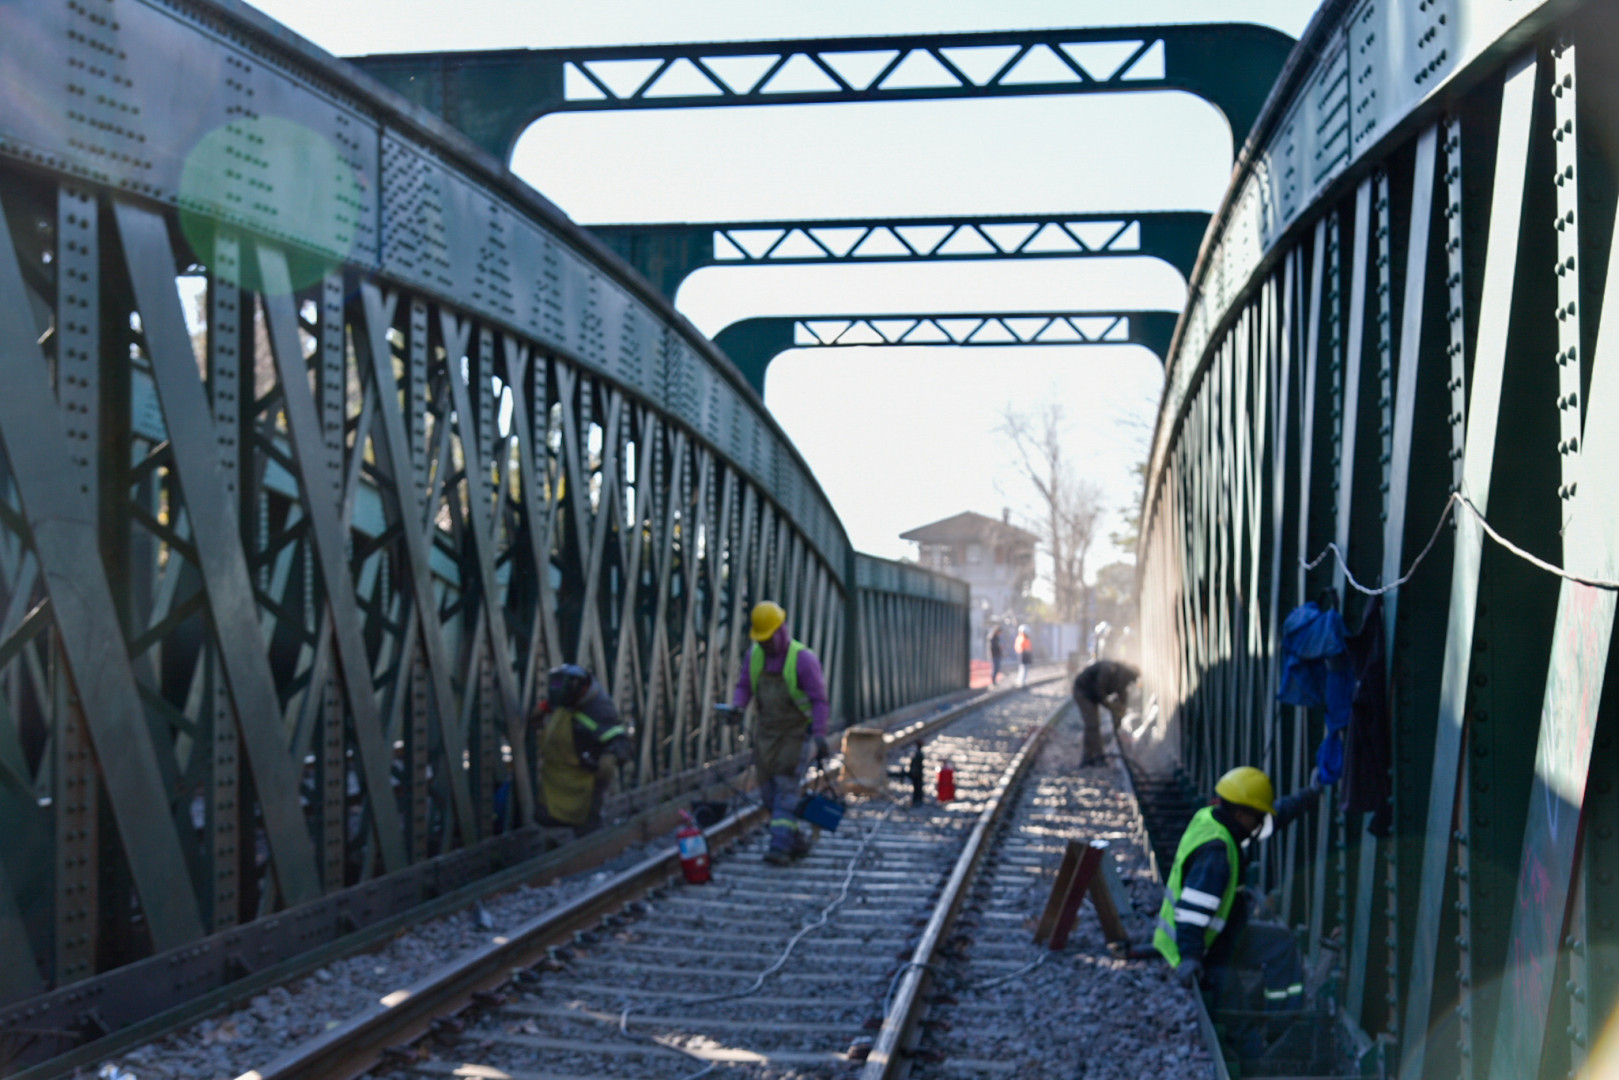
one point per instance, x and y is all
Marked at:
(767, 619)
(1247, 786)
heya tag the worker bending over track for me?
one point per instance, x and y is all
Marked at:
(582, 742)
(784, 681)
(1203, 926)
(1106, 682)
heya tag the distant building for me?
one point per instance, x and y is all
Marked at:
(995, 558)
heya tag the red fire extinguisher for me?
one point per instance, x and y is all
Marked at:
(947, 782)
(693, 851)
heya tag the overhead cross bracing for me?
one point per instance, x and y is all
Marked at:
(753, 343)
(493, 95)
(666, 254)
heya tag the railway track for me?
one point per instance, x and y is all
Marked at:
(1090, 1010)
(545, 1000)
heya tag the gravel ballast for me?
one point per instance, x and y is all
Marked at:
(223, 1047)
(1082, 1012)
(843, 965)
(694, 942)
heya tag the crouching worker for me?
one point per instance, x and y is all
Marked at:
(582, 742)
(1203, 928)
(1106, 682)
(783, 680)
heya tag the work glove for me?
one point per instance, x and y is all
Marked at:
(821, 752)
(1189, 973)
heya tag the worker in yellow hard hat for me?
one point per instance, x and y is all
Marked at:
(1204, 915)
(784, 681)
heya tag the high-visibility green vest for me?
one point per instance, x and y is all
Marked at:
(1199, 831)
(789, 672)
(566, 786)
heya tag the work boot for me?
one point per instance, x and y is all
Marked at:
(801, 845)
(777, 857)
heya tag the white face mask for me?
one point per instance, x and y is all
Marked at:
(1266, 827)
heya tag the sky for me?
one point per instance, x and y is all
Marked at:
(897, 437)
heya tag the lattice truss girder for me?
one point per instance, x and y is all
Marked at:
(752, 344)
(493, 96)
(317, 541)
(998, 238)
(1126, 60)
(1431, 327)
(668, 253)
(1036, 328)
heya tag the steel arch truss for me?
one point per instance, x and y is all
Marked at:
(667, 254)
(492, 96)
(354, 528)
(753, 343)
(1439, 320)
(321, 439)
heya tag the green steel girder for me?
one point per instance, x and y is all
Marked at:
(493, 95)
(753, 343)
(275, 590)
(667, 253)
(1453, 279)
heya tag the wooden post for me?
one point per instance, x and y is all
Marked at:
(1059, 890)
(1109, 896)
(1090, 859)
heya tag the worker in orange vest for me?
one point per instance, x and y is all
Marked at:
(1025, 654)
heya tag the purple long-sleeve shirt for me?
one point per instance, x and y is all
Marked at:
(810, 679)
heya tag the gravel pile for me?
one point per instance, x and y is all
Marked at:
(1083, 1012)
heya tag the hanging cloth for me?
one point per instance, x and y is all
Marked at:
(1317, 674)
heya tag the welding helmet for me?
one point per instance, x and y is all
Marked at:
(566, 686)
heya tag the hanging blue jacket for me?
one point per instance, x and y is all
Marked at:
(1316, 674)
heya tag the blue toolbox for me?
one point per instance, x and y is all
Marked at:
(822, 809)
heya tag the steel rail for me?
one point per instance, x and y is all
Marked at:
(643, 824)
(364, 1041)
(888, 1057)
(360, 1043)
(556, 863)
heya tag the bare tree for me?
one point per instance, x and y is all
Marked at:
(1071, 505)
(1128, 536)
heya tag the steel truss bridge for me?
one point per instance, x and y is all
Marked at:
(323, 437)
